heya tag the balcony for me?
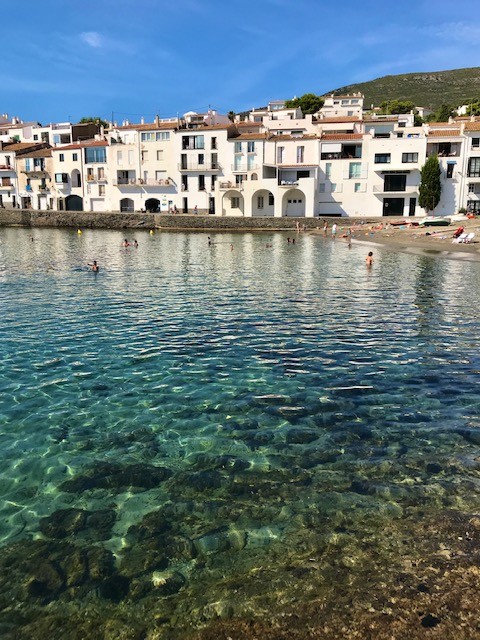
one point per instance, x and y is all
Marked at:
(198, 166)
(6, 185)
(6, 167)
(244, 168)
(362, 175)
(225, 186)
(43, 190)
(381, 188)
(38, 171)
(288, 184)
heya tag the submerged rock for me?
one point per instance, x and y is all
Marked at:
(301, 436)
(70, 522)
(106, 475)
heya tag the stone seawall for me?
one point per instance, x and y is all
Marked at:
(94, 220)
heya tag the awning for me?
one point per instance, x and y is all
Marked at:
(331, 147)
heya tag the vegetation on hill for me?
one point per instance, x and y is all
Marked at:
(429, 89)
(308, 103)
(96, 120)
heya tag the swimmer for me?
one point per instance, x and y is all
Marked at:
(126, 243)
(209, 241)
(369, 259)
(94, 266)
(135, 244)
(231, 247)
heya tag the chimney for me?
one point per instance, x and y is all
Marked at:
(157, 120)
(142, 120)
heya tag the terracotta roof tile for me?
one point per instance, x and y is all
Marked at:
(444, 133)
(249, 136)
(149, 126)
(82, 145)
(342, 136)
(338, 119)
(472, 126)
(21, 146)
(37, 153)
(286, 136)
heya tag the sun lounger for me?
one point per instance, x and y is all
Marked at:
(469, 238)
(461, 238)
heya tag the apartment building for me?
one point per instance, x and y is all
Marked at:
(275, 162)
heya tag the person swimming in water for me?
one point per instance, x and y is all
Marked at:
(369, 259)
(94, 266)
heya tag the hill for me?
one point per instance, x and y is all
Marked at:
(429, 89)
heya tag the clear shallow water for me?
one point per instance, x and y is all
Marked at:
(294, 401)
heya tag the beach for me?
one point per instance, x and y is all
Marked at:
(416, 239)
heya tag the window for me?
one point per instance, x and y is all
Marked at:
(382, 158)
(355, 170)
(119, 157)
(159, 155)
(130, 156)
(184, 183)
(147, 137)
(409, 157)
(235, 202)
(321, 187)
(95, 154)
(271, 200)
(101, 189)
(144, 156)
(357, 187)
(300, 154)
(237, 147)
(201, 183)
(74, 157)
(471, 188)
(450, 168)
(56, 138)
(201, 158)
(251, 147)
(474, 168)
(240, 178)
(212, 184)
(61, 157)
(101, 173)
(250, 162)
(280, 151)
(214, 160)
(27, 164)
(395, 182)
(334, 187)
(193, 142)
(328, 170)
(35, 137)
(90, 176)
(163, 135)
(260, 202)
(475, 143)
(214, 143)
(61, 178)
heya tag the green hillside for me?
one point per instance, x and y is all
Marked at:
(430, 89)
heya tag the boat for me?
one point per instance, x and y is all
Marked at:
(435, 221)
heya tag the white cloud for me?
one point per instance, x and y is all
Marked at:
(92, 38)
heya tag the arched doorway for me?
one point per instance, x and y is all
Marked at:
(152, 205)
(74, 203)
(294, 204)
(263, 203)
(76, 178)
(126, 205)
(232, 204)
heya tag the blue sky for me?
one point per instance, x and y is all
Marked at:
(66, 60)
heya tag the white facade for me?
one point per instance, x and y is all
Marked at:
(281, 164)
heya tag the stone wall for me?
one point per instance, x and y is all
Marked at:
(93, 220)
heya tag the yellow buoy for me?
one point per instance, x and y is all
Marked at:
(151, 232)
(79, 231)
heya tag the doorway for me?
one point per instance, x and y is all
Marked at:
(393, 206)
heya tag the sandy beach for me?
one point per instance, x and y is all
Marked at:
(417, 240)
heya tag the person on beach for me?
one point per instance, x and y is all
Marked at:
(325, 227)
(369, 259)
(94, 266)
(195, 210)
(334, 230)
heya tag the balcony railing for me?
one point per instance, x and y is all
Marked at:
(199, 166)
(225, 186)
(35, 170)
(96, 178)
(381, 188)
(142, 182)
(288, 183)
(244, 168)
(43, 190)
(6, 185)
(6, 167)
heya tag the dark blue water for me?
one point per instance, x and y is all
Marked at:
(195, 416)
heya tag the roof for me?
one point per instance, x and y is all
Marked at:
(210, 127)
(21, 146)
(342, 136)
(444, 133)
(248, 123)
(472, 126)
(37, 153)
(250, 136)
(380, 119)
(82, 145)
(338, 119)
(287, 136)
(439, 124)
(149, 126)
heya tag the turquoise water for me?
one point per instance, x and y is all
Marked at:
(181, 429)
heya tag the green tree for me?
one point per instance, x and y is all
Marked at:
(430, 184)
(231, 115)
(308, 103)
(473, 108)
(443, 113)
(96, 120)
(396, 106)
